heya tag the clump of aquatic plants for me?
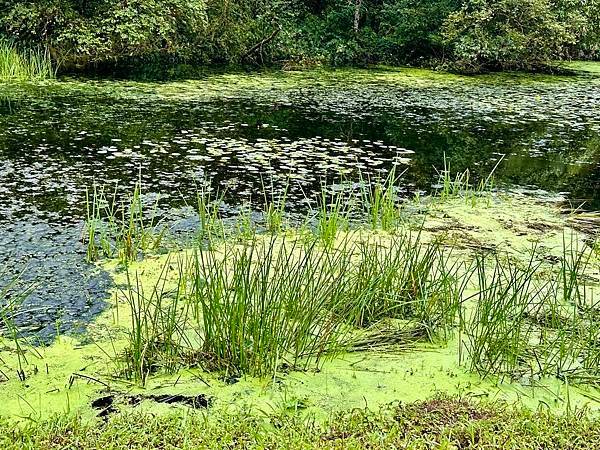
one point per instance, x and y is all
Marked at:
(122, 227)
(263, 301)
(265, 304)
(242, 309)
(274, 208)
(403, 277)
(276, 301)
(24, 65)
(498, 332)
(211, 225)
(156, 336)
(527, 320)
(372, 202)
(333, 216)
(461, 185)
(379, 203)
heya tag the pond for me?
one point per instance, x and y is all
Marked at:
(242, 131)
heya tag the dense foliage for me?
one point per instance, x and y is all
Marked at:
(465, 35)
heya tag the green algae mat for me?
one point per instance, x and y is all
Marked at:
(88, 378)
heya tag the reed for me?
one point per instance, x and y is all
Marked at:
(497, 332)
(12, 296)
(245, 225)
(274, 207)
(528, 320)
(211, 226)
(267, 304)
(333, 216)
(24, 65)
(402, 277)
(380, 205)
(278, 302)
(122, 227)
(259, 302)
(461, 185)
(157, 338)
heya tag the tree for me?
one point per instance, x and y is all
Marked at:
(507, 35)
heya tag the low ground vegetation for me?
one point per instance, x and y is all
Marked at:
(439, 423)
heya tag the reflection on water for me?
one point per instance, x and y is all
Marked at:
(56, 140)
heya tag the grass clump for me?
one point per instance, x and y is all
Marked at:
(379, 201)
(211, 226)
(24, 65)
(157, 333)
(267, 304)
(530, 321)
(333, 216)
(266, 299)
(498, 333)
(462, 186)
(403, 277)
(247, 309)
(274, 207)
(12, 296)
(281, 302)
(122, 227)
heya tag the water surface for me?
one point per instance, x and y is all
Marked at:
(241, 131)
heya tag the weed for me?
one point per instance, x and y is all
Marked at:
(24, 65)
(123, 228)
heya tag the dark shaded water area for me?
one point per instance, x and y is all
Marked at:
(244, 131)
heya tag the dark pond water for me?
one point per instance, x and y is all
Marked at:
(241, 131)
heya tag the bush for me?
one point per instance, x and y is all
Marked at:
(103, 30)
(506, 35)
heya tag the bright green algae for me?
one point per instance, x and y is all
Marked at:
(66, 376)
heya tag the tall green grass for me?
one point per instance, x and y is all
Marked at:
(403, 277)
(498, 332)
(125, 226)
(268, 304)
(276, 302)
(333, 215)
(528, 320)
(381, 208)
(24, 65)
(461, 184)
(121, 226)
(274, 207)
(211, 226)
(157, 333)
(247, 309)
(263, 301)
